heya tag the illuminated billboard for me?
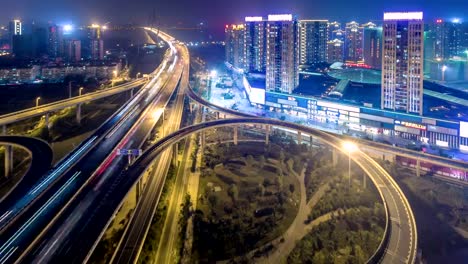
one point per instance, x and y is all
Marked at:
(403, 16)
(464, 129)
(286, 17)
(253, 19)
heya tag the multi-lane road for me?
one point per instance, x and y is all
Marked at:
(26, 219)
(58, 105)
(134, 236)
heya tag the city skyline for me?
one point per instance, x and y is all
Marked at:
(211, 14)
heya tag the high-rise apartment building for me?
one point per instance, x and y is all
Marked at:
(372, 45)
(55, 41)
(282, 56)
(353, 43)
(444, 39)
(402, 62)
(313, 41)
(332, 28)
(235, 45)
(255, 44)
(335, 51)
(15, 28)
(72, 50)
(97, 49)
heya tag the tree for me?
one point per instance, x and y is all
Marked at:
(261, 161)
(213, 199)
(233, 192)
(291, 188)
(279, 182)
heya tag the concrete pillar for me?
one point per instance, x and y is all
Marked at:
(311, 140)
(217, 115)
(78, 113)
(8, 161)
(335, 156)
(235, 135)
(202, 140)
(131, 93)
(47, 120)
(69, 89)
(4, 130)
(418, 168)
(299, 137)
(175, 151)
(267, 135)
(138, 190)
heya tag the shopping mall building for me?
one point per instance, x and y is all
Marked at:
(350, 98)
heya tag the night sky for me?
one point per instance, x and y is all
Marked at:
(217, 12)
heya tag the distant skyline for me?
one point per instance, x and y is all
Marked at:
(217, 13)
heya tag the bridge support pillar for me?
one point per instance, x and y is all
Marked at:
(299, 137)
(78, 114)
(8, 161)
(217, 115)
(138, 190)
(131, 93)
(202, 140)
(235, 135)
(175, 151)
(311, 141)
(4, 130)
(335, 156)
(418, 168)
(267, 134)
(47, 123)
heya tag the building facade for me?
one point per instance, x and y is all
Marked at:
(235, 45)
(55, 41)
(402, 62)
(73, 50)
(372, 45)
(353, 43)
(282, 60)
(335, 51)
(313, 41)
(255, 44)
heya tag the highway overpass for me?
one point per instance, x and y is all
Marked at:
(420, 157)
(400, 245)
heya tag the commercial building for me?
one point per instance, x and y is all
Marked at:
(313, 41)
(372, 45)
(282, 60)
(234, 39)
(402, 62)
(335, 50)
(353, 43)
(255, 44)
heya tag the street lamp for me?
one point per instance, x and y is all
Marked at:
(444, 69)
(37, 101)
(138, 75)
(350, 147)
(79, 91)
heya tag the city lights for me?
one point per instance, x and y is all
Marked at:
(283, 17)
(253, 19)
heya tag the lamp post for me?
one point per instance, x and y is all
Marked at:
(444, 69)
(350, 147)
(138, 75)
(37, 101)
(79, 91)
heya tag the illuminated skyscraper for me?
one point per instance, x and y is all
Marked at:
(255, 44)
(15, 28)
(332, 28)
(313, 41)
(97, 49)
(282, 59)
(73, 50)
(55, 41)
(353, 43)
(235, 45)
(402, 62)
(372, 45)
(444, 39)
(335, 51)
